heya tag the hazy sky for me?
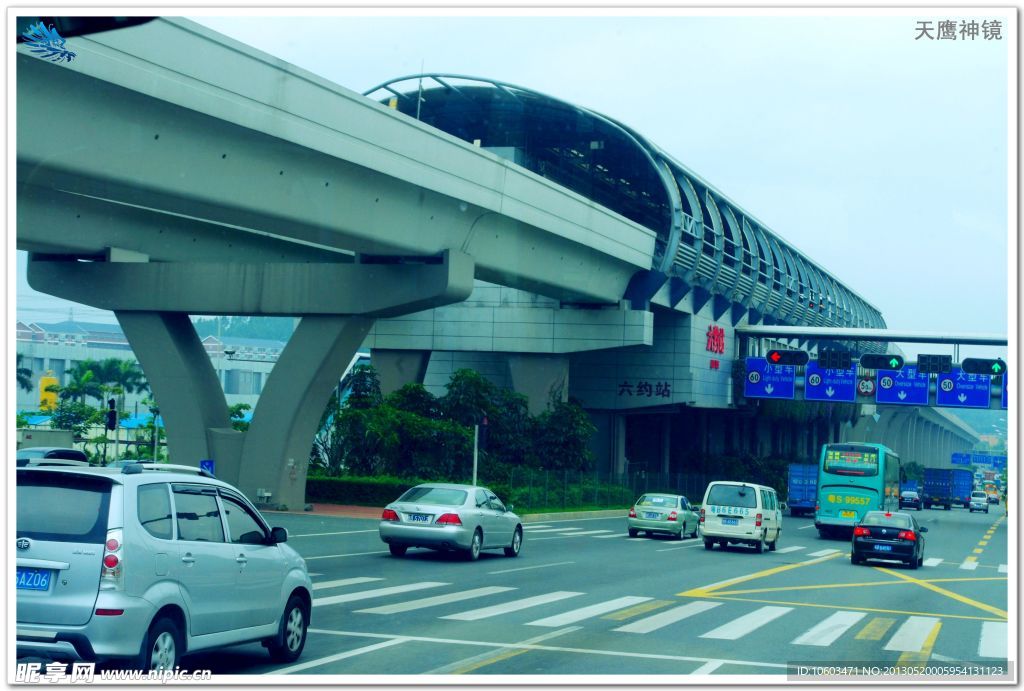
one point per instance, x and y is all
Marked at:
(881, 157)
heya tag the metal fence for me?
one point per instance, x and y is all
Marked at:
(539, 490)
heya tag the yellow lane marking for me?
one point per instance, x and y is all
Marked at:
(978, 551)
(971, 559)
(983, 543)
(489, 661)
(707, 590)
(856, 609)
(642, 608)
(948, 593)
(875, 629)
(856, 585)
(926, 649)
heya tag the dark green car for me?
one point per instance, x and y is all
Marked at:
(669, 514)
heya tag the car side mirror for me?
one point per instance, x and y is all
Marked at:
(278, 535)
(509, 507)
(924, 529)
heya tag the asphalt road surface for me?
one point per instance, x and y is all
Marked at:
(584, 599)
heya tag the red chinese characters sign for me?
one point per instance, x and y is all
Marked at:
(716, 339)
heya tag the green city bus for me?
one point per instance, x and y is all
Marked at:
(854, 478)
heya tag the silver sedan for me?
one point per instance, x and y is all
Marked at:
(462, 518)
(662, 513)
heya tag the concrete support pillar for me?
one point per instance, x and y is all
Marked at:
(396, 368)
(541, 378)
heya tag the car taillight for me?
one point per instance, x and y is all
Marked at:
(112, 571)
(907, 535)
(817, 507)
(632, 513)
(449, 519)
(389, 515)
(757, 521)
(860, 531)
(672, 516)
(701, 519)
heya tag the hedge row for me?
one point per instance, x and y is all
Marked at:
(366, 491)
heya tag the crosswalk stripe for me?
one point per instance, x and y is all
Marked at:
(436, 600)
(932, 561)
(737, 628)
(573, 616)
(590, 532)
(826, 632)
(822, 552)
(344, 581)
(379, 592)
(1003, 568)
(910, 637)
(514, 606)
(657, 621)
(791, 548)
(993, 639)
(969, 564)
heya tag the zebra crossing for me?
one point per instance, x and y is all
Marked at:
(909, 634)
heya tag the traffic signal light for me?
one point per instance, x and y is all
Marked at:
(112, 415)
(973, 365)
(835, 359)
(787, 357)
(878, 361)
(934, 364)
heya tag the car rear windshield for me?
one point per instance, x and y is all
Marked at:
(894, 521)
(658, 500)
(733, 495)
(59, 507)
(443, 496)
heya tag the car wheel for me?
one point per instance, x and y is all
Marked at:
(772, 544)
(473, 553)
(163, 646)
(708, 544)
(517, 543)
(694, 533)
(633, 533)
(397, 550)
(291, 639)
(760, 546)
(854, 559)
(912, 563)
(682, 533)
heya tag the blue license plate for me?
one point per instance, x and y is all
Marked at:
(419, 517)
(730, 521)
(883, 548)
(33, 579)
(651, 515)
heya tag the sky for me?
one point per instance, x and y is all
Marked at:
(882, 157)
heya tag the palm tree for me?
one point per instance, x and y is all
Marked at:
(82, 383)
(121, 377)
(24, 375)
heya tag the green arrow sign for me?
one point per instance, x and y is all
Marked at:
(996, 369)
(894, 363)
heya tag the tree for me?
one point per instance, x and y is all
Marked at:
(364, 388)
(76, 416)
(414, 398)
(82, 383)
(563, 433)
(236, 412)
(24, 376)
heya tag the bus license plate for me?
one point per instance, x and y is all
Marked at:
(33, 579)
(848, 514)
(730, 521)
(883, 548)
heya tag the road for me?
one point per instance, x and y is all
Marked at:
(584, 599)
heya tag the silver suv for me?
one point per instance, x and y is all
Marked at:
(145, 563)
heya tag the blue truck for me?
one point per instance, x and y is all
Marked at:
(947, 486)
(910, 486)
(803, 489)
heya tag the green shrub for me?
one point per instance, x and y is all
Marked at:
(365, 491)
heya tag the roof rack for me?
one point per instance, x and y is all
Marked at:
(135, 468)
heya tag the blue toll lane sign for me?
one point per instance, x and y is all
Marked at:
(961, 459)
(957, 389)
(765, 380)
(830, 384)
(1004, 401)
(902, 387)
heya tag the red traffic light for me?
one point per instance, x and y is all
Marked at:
(787, 357)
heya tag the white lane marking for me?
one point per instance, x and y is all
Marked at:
(793, 548)
(550, 648)
(708, 667)
(827, 631)
(673, 549)
(969, 565)
(379, 592)
(933, 561)
(737, 628)
(535, 526)
(657, 621)
(993, 639)
(338, 656)
(531, 568)
(343, 532)
(1003, 568)
(460, 665)
(436, 600)
(556, 530)
(910, 637)
(344, 581)
(590, 532)
(599, 537)
(338, 556)
(573, 616)
(315, 575)
(514, 606)
(822, 552)
(806, 527)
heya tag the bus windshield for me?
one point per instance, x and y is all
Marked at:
(851, 460)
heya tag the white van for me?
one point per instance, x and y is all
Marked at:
(740, 512)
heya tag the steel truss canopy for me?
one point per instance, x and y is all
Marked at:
(876, 335)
